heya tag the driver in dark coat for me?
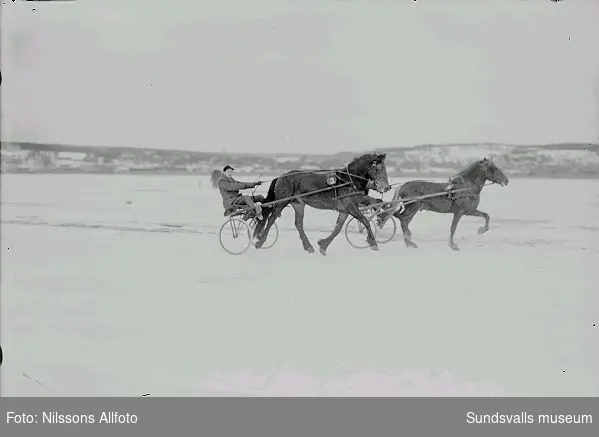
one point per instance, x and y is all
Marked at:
(229, 190)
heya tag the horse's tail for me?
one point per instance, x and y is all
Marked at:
(270, 197)
(268, 209)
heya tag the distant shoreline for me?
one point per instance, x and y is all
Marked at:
(550, 161)
(274, 175)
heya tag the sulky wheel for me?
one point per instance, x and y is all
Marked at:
(387, 232)
(235, 236)
(356, 234)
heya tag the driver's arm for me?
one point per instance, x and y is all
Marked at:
(235, 186)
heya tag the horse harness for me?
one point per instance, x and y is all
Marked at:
(451, 186)
(335, 182)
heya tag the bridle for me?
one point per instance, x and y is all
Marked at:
(370, 178)
(460, 177)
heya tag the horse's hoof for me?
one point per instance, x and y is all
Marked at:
(482, 230)
(310, 249)
(454, 247)
(375, 248)
(322, 247)
(411, 245)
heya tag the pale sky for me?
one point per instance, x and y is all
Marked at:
(300, 76)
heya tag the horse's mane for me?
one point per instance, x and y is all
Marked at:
(363, 161)
(468, 169)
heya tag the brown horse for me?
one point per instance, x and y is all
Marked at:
(472, 180)
(339, 189)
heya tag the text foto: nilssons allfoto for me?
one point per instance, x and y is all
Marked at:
(524, 417)
(55, 417)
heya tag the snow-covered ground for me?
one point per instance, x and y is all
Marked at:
(117, 286)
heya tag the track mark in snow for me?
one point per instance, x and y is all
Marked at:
(37, 381)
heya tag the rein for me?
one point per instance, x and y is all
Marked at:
(344, 171)
(330, 170)
(301, 195)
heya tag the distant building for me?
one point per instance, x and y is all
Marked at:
(284, 159)
(69, 159)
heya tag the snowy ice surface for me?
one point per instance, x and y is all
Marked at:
(117, 286)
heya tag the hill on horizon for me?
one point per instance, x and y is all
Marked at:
(547, 160)
(59, 147)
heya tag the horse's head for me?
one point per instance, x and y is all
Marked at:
(376, 172)
(493, 173)
(371, 171)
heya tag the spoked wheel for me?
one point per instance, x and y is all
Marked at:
(235, 236)
(273, 235)
(387, 232)
(356, 234)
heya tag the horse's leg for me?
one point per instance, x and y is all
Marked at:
(324, 243)
(405, 218)
(272, 217)
(355, 212)
(299, 224)
(457, 215)
(261, 223)
(477, 213)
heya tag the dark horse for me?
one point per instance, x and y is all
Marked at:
(472, 180)
(215, 177)
(339, 189)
